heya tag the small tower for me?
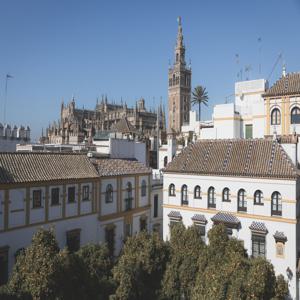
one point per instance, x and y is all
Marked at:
(179, 91)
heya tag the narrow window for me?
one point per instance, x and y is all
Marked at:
(109, 194)
(197, 192)
(242, 202)
(211, 198)
(73, 240)
(275, 117)
(225, 195)
(276, 204)
(85, 193)
(165, 161)
(155, 209)
(258, 196)
(143, 223)
(71, 194)
(55, 196)
(201, 228)
(184, 196)
(144, 188)
(295, 115)
(128, 200)
(110, 239)
(258, 245)
(171, 189)
(37, 199)
(3, 265)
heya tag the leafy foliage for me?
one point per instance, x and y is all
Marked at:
(199, 96)
(36, 270)
(140, 268)
(186, 247)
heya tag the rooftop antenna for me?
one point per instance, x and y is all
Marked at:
(237, 61)
(275, 65)
(247, 71)
(259, 40)
(5, 97)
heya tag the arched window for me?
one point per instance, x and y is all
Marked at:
(295, 115)
(225, 195)
(276, 204)
(128, 200)
(242, 202)
(197, 192)
(184, 196)
(171, 189)
(109, 194)
(211, 198)
(144, 188)
(165, 160)
(275, 117)
(258, 196)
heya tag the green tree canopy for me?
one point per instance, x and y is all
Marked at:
(37, 269)
(199, 96)
(140, 268)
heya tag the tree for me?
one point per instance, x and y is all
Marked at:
(199, 96)
(140, 268)
(36, 270)
(96, 259)
(186, 247)
(261, 279)
(281, 288)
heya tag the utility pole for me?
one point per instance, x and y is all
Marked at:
(5, 96)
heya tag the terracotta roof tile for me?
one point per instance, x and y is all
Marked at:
(175, 215)
(259, 158)
(258, 226)
(286, 85)
(34, 167)
(124, 126)
(114, 167)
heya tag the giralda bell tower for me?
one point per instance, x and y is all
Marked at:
(179, 91)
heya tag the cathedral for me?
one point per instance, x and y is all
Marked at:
(80, 125)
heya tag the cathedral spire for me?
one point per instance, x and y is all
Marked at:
(180, 49)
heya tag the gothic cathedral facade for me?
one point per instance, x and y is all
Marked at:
(179, 91)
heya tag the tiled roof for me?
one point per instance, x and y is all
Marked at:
(174, 214)
(124, 126)
(258, 226)
(35, 167)
(114, 167)
(286, 85)
(258, 158)
(222, 217)
(199, 218)
(280, 236)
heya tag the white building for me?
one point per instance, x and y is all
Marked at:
(11, 136)
(250, 185)
(97, 200)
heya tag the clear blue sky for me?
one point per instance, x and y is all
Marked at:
(59, 48)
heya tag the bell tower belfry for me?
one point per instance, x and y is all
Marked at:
(179, 91)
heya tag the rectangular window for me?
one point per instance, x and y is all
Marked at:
(127, 230)
(71, 194)
(143, 223)
(201, 228)
(73, 240)
(37, 199)
(55, 196)
(85, 193)
(155, 206)
(258, 245)
(249, 131)
(110, 239)
(3, 265)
